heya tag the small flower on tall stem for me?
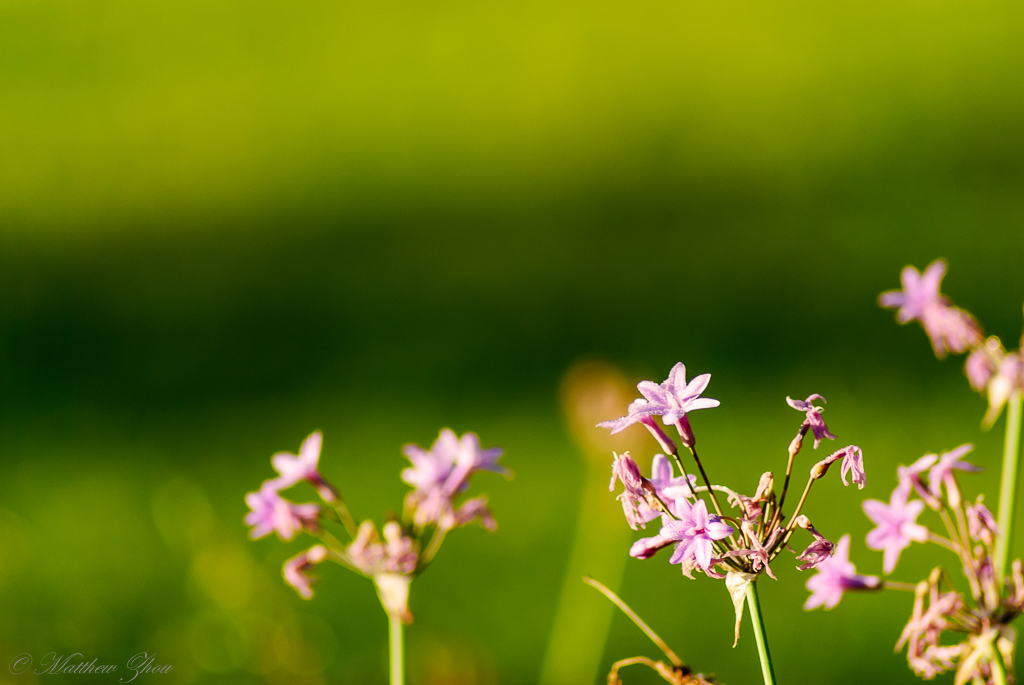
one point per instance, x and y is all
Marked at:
(439, 476)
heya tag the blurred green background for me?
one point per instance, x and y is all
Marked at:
(227, 224)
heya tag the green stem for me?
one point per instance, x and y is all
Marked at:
(397, 653)
(754, 605)
(1008, 486)
(998, 668)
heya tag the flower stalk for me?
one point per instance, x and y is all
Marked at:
(397, 651)
(1008, 484)
(754, 606)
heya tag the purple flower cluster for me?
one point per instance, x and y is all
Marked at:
(438, 476)
(990, 369)
(950, 329)
(736, 548)
(980, 620)
(442, 472)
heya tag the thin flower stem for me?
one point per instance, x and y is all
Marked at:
(435, 544)
(1008, 486)
(998, 667)
(714, 497)
(664, 507)
(679, 463)
(676, 661)
(895, 585)
(397, 651)
(754, 605)
(948, 544)
(785, 485)
(800, 504)
(346, 518)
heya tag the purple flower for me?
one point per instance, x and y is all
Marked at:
(836, 575)
(442, 472)
(303, 467)
(853, 463)
(818, 551)
(270, 512)
(980, 522)
(813, 419)
(296, 570)
(695, 531)
(675, 397)
(671, 401)
(896, 527)
(634, 493)
(669, 486)
(920, 292)
(910, 479)
(947, 327)
(942, 473)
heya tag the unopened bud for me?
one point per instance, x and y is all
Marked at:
(803, 522)
(820, 469)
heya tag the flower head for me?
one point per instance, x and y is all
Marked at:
(834, 576)
(896, 526)
(440, 473)
(303, 467)
(672, 399)
(947, 327)
(296, 570)
(813, 420)
(270, 512)
(695, 531)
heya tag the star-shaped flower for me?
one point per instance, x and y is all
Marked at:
(948, 327)
(695, 531)
(920, 294)
(834, 576)
(270, 512)
(672, 399)
(896, 527)
(303, 467)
